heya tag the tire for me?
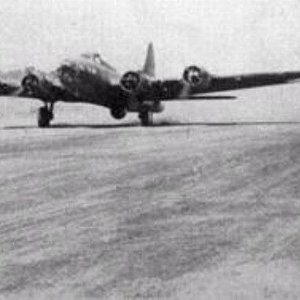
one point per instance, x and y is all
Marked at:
(118, 113)
(146, 118)
(44, 117)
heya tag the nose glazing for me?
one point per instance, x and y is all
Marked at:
(67, 72)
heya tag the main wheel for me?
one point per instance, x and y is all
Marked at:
(118, 112)
(146, 118)
(44, 117)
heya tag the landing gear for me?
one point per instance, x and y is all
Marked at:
(118, 112)
(146, 117)
(45, 115)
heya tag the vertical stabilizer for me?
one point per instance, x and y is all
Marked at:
(149, 67)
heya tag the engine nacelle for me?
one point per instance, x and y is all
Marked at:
(130, 81)
(196, 77)
(30, 83)
(40, 85)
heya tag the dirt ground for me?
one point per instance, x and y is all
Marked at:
(199, 210)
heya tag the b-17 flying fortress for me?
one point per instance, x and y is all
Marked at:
(90, 79)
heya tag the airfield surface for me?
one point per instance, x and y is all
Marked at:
(204, 207)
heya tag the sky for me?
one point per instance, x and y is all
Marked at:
(223, 36)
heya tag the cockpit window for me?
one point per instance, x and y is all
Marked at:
(96, 58)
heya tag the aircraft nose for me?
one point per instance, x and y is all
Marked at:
(67, 72)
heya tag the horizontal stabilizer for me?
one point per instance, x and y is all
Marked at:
(210, 98)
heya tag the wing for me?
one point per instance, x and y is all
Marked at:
(8, 88)
(251, 81)
(192, 88)
(36, 84)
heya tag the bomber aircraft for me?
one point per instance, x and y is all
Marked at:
(90, 79)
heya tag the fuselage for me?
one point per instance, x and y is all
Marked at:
(90, 78)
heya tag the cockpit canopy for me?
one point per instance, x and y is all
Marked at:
(96, 58)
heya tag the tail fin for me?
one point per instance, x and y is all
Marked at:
(149, 67)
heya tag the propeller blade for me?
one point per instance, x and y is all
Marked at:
(185, 93)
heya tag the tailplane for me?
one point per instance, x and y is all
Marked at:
(149, 67)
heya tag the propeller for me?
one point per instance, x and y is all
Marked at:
(185, 92)
(130, 81)
(193, 75)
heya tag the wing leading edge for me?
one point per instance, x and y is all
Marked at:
(179, 89)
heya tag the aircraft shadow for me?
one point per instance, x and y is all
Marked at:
(155, 125)
(221, 124)
(63, 126)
